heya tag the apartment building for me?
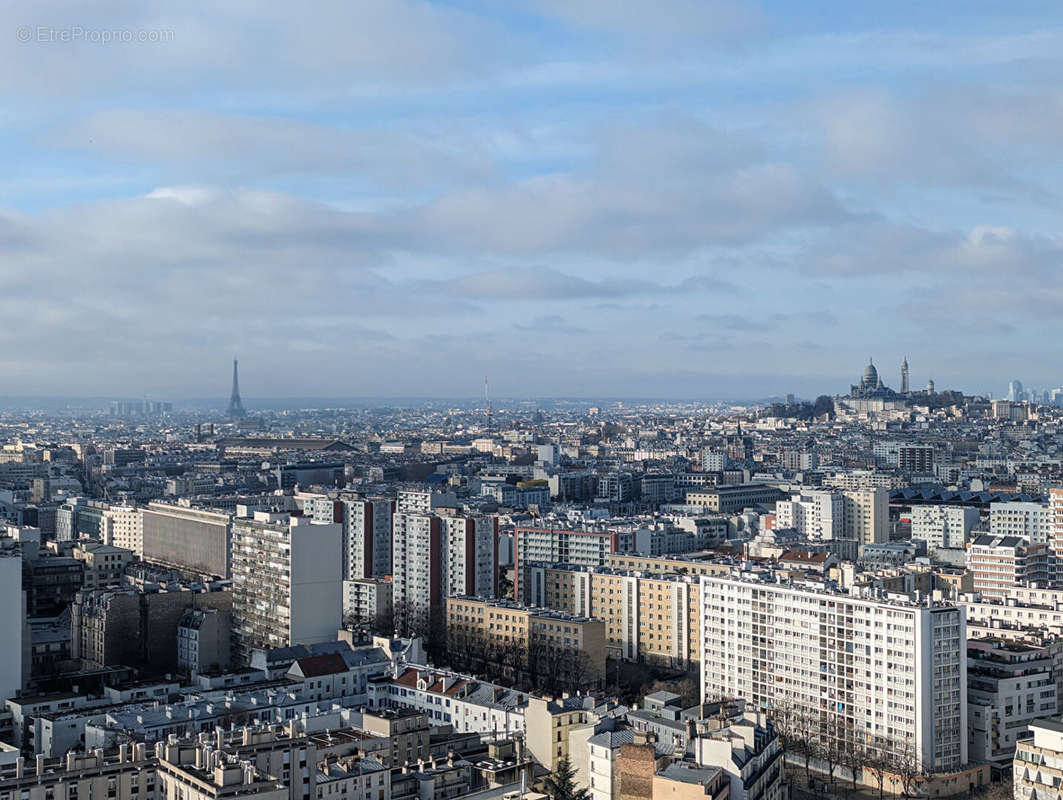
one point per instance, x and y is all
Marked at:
(881, 668)
(998, 563)
(559, 546)
(866, 515)
(368, 601)
(652, 617)
(287, 582)
(469, 704)
(125, 625)
(123, 526)
(527, 641)
(435, 557)
(1009, 685)
(366, 532)
(683, 565)
(1029, 521)
(1038, 761)
(943, 526)
(817, 515)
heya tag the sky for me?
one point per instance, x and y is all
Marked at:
(670, 198)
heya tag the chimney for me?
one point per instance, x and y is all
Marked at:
(122, 750)
(40, 765)
(141, 751)
(219, 737)
(199, 758)
(20, 767)
(71, 761)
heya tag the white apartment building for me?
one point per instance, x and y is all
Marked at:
(123, 526)
(368, 601)
(366, 533)
(422, 501)
(943, 526)
(449, 698)
(1009, 685)
(470, 560)
(713, 461)
(287, 581)
(816, 515)
(435, 557)
(1031, 521)
(866, 514)
(874, 669)
(559, 546)
(1039, 761)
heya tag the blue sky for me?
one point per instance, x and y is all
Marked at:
(690, 198)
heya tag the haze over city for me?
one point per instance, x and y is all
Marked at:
(678, 199)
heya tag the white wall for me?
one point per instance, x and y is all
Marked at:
(317, 582)
(11, 622)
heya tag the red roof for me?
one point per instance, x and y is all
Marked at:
(325, 664)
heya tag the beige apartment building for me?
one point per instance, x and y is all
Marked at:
(649, 617)
(498, 629)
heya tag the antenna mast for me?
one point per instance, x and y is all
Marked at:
(487, 401)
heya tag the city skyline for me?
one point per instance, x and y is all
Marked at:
(687, 199)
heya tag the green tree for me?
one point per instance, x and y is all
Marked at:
(561, 785)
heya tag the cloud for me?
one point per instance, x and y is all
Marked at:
(663, 22)
(550, 325)
(235, 146)
(956, 135)
(879, 246)
(338, 45)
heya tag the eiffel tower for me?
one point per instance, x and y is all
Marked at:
(236, 408)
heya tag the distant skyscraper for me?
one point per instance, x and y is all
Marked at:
(1015, 391)
(236, 408)
(904, 376)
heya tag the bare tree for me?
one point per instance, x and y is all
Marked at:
(876, 758)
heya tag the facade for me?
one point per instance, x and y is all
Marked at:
(866, 515)
(916, 458)
(130, 627)
(204, 640)
(287, 582)
(1009, 685)
(731, 499)
(123, 526)
(998, 563)
(880, 670)
(407, 730)
(652, 617)
(192, 539)
(1039, 761)
(12, 628)
(104, 564)
(1030, 521)
(366, 533)
(747, 751)
(819, 516)
(417, 563)
(558, 546)
(368, 601)
(436, 557)
(943, 526)
(527, 642)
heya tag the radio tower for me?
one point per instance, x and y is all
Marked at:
(236, 408)
(487, 401)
